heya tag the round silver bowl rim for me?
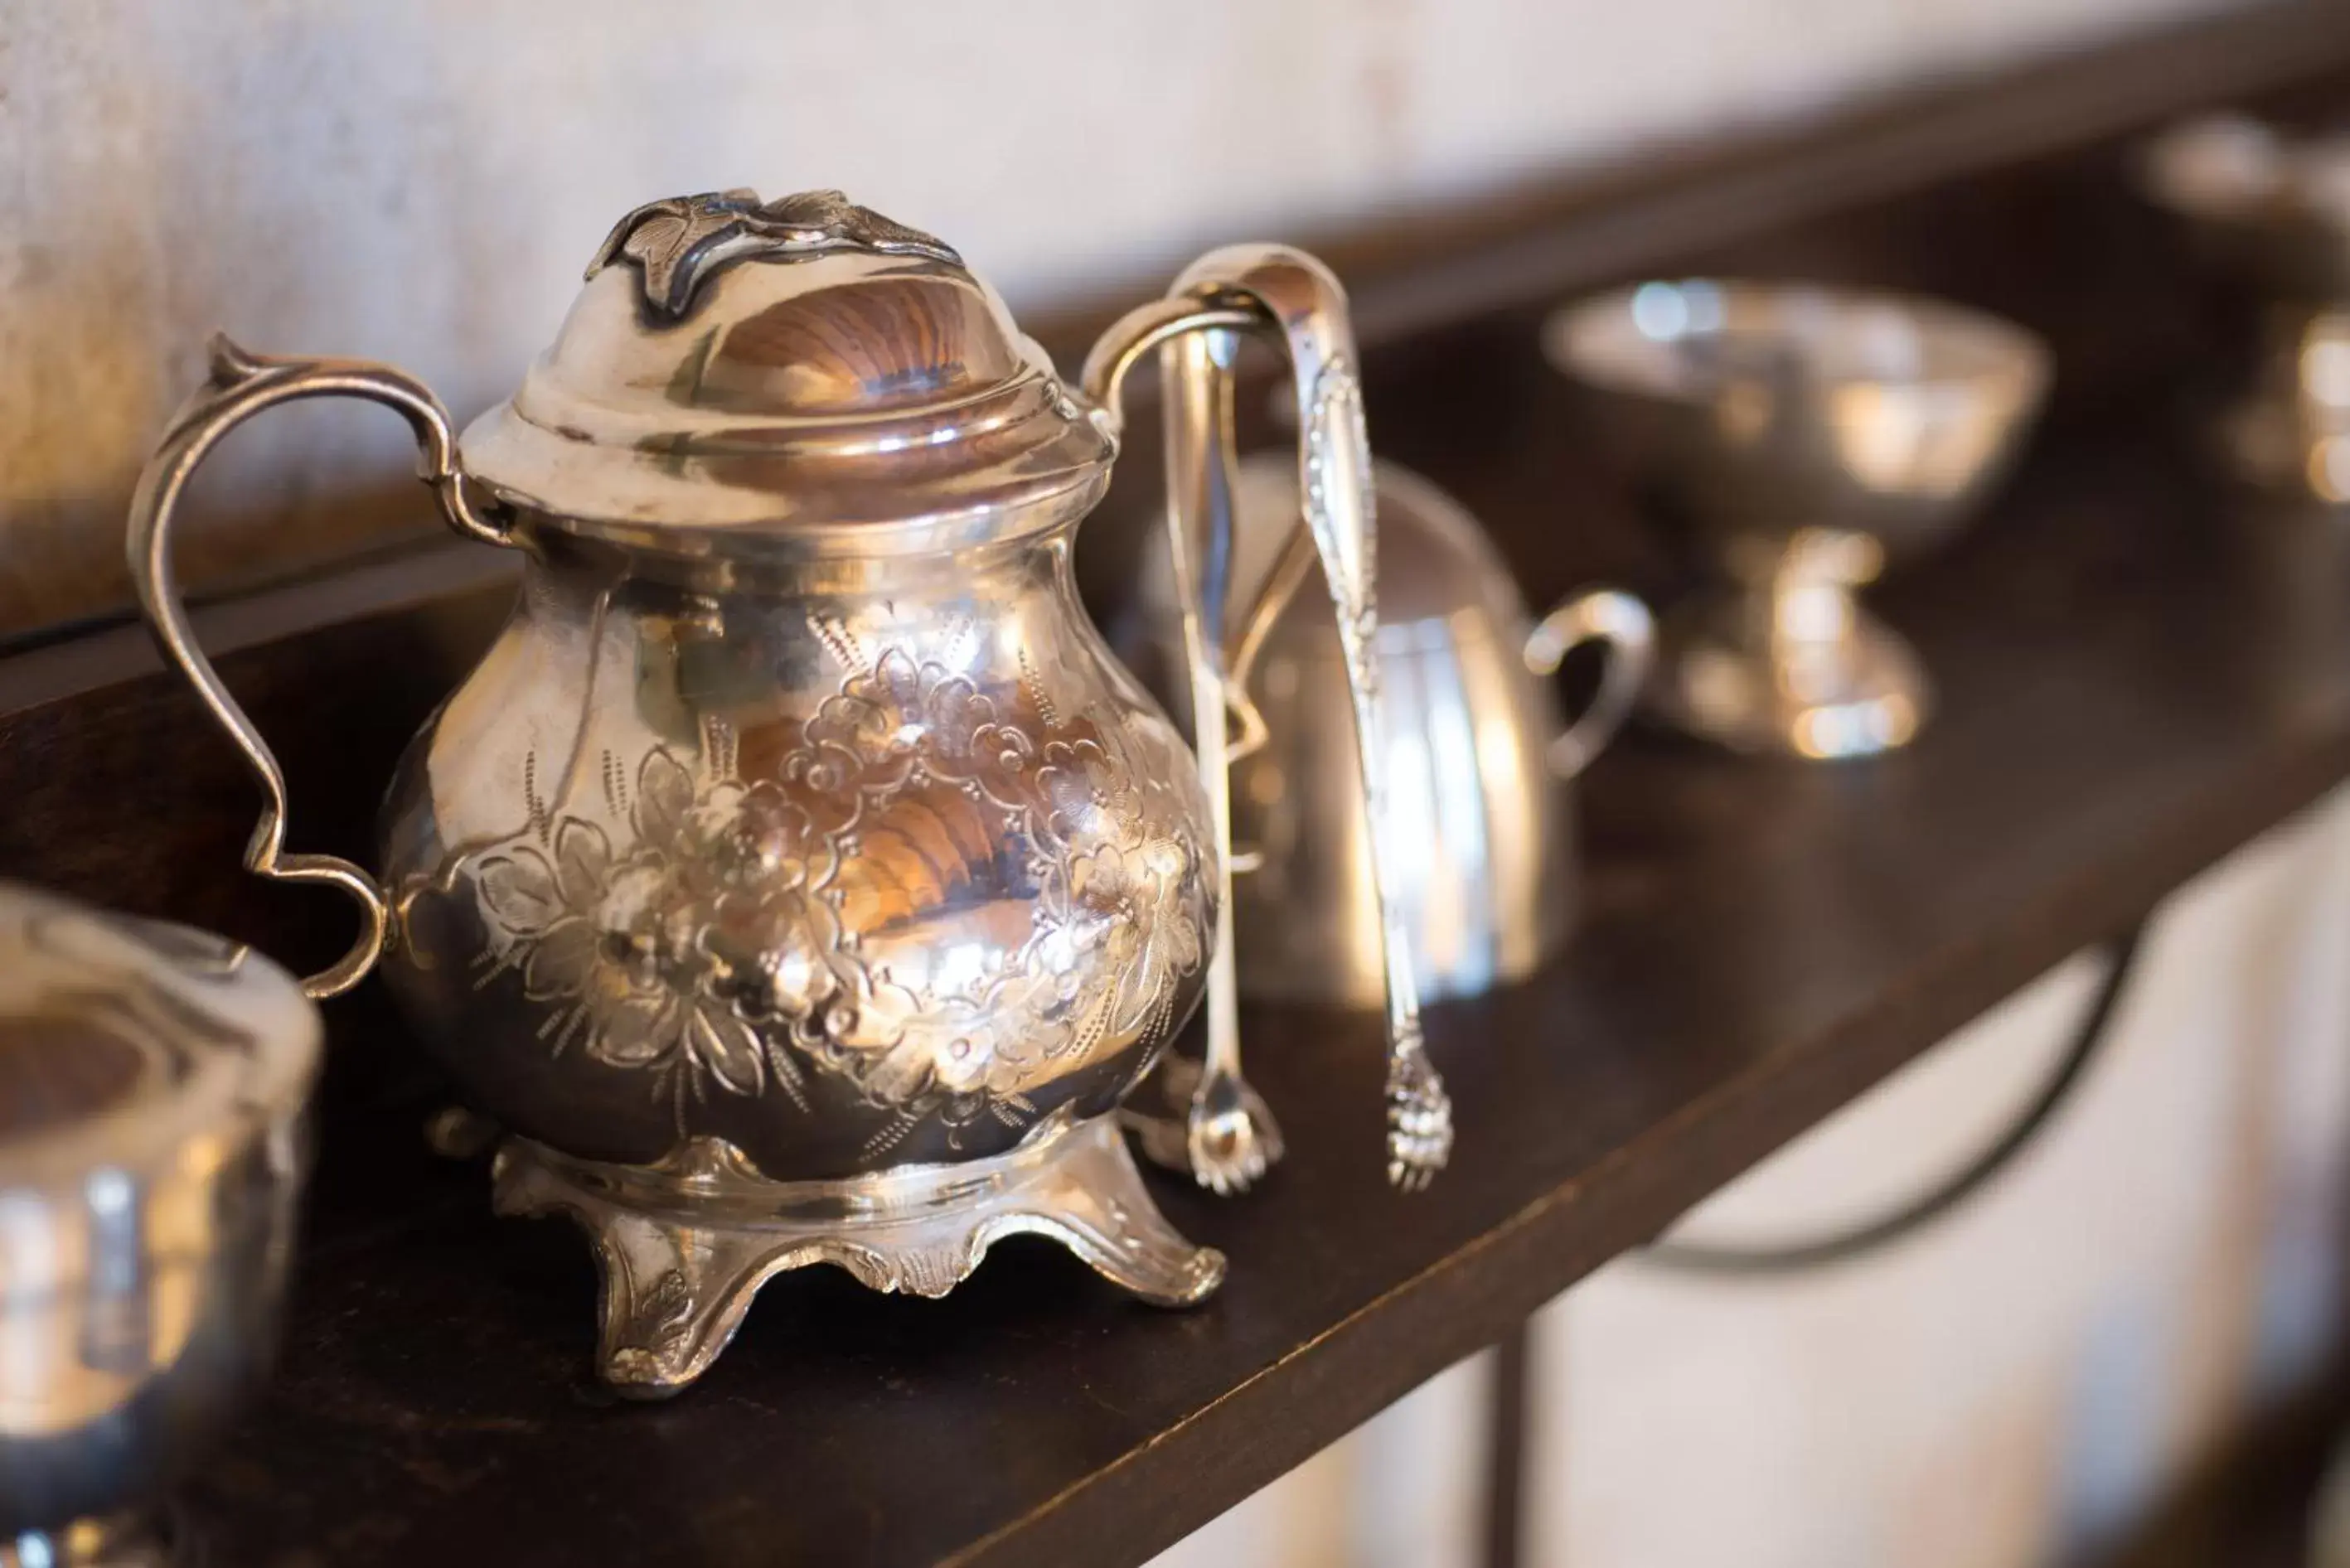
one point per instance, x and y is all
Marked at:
(249, 1041)
(2233, 169)
(1967, 350)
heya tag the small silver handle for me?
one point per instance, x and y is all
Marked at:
(1616, 619)
(242, 385)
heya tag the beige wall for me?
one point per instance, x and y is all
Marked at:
(422, 180)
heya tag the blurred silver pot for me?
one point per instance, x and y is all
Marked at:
(152, 1142)
(1477, 755)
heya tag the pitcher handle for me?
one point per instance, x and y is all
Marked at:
(1622, 623)
(242, 385)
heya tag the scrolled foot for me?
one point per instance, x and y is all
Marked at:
(682, 1263)
(1094, 1203)
(672, 1294)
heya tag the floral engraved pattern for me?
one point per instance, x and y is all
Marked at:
(645, 953)
(1338, 471)
(935, 898)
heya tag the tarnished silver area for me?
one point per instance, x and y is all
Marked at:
(1477, 757)
(798, 847)
(1799, 437)
(153, 1081)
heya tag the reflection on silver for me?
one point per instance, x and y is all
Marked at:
(1231, 1139)
(2275, 215)
(153, 1081)
(1800, 436)
(1476, 756)
(798, 844)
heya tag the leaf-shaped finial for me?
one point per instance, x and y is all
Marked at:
(677, 241)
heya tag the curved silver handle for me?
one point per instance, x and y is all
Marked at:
(1304, 304)
(1606, 616)
(1229, 1139)
(241, 386)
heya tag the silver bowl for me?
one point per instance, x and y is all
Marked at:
(152, 1086)
(2274, 214)
(2274, 208)
(1800, 437)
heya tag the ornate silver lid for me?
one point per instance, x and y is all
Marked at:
(802, 375)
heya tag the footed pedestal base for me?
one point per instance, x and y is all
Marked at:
(1809, 674)
(685, 1245)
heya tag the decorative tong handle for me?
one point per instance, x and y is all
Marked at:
(1231, 1137)
(241, 386)
(1307, 306)
(1228, 1139)
(1262, 286)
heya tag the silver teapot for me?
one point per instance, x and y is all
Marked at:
(154, 1082)
(797, 878)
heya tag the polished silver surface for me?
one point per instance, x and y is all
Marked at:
(1309, 310)
(2275, 214)
(1799, 438)
(1231, 1138)
(240, 386)
(1477, 759)
(798, 827)
(152, 1084)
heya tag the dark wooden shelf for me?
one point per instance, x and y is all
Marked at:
(2135, 681)
(2138, 674)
